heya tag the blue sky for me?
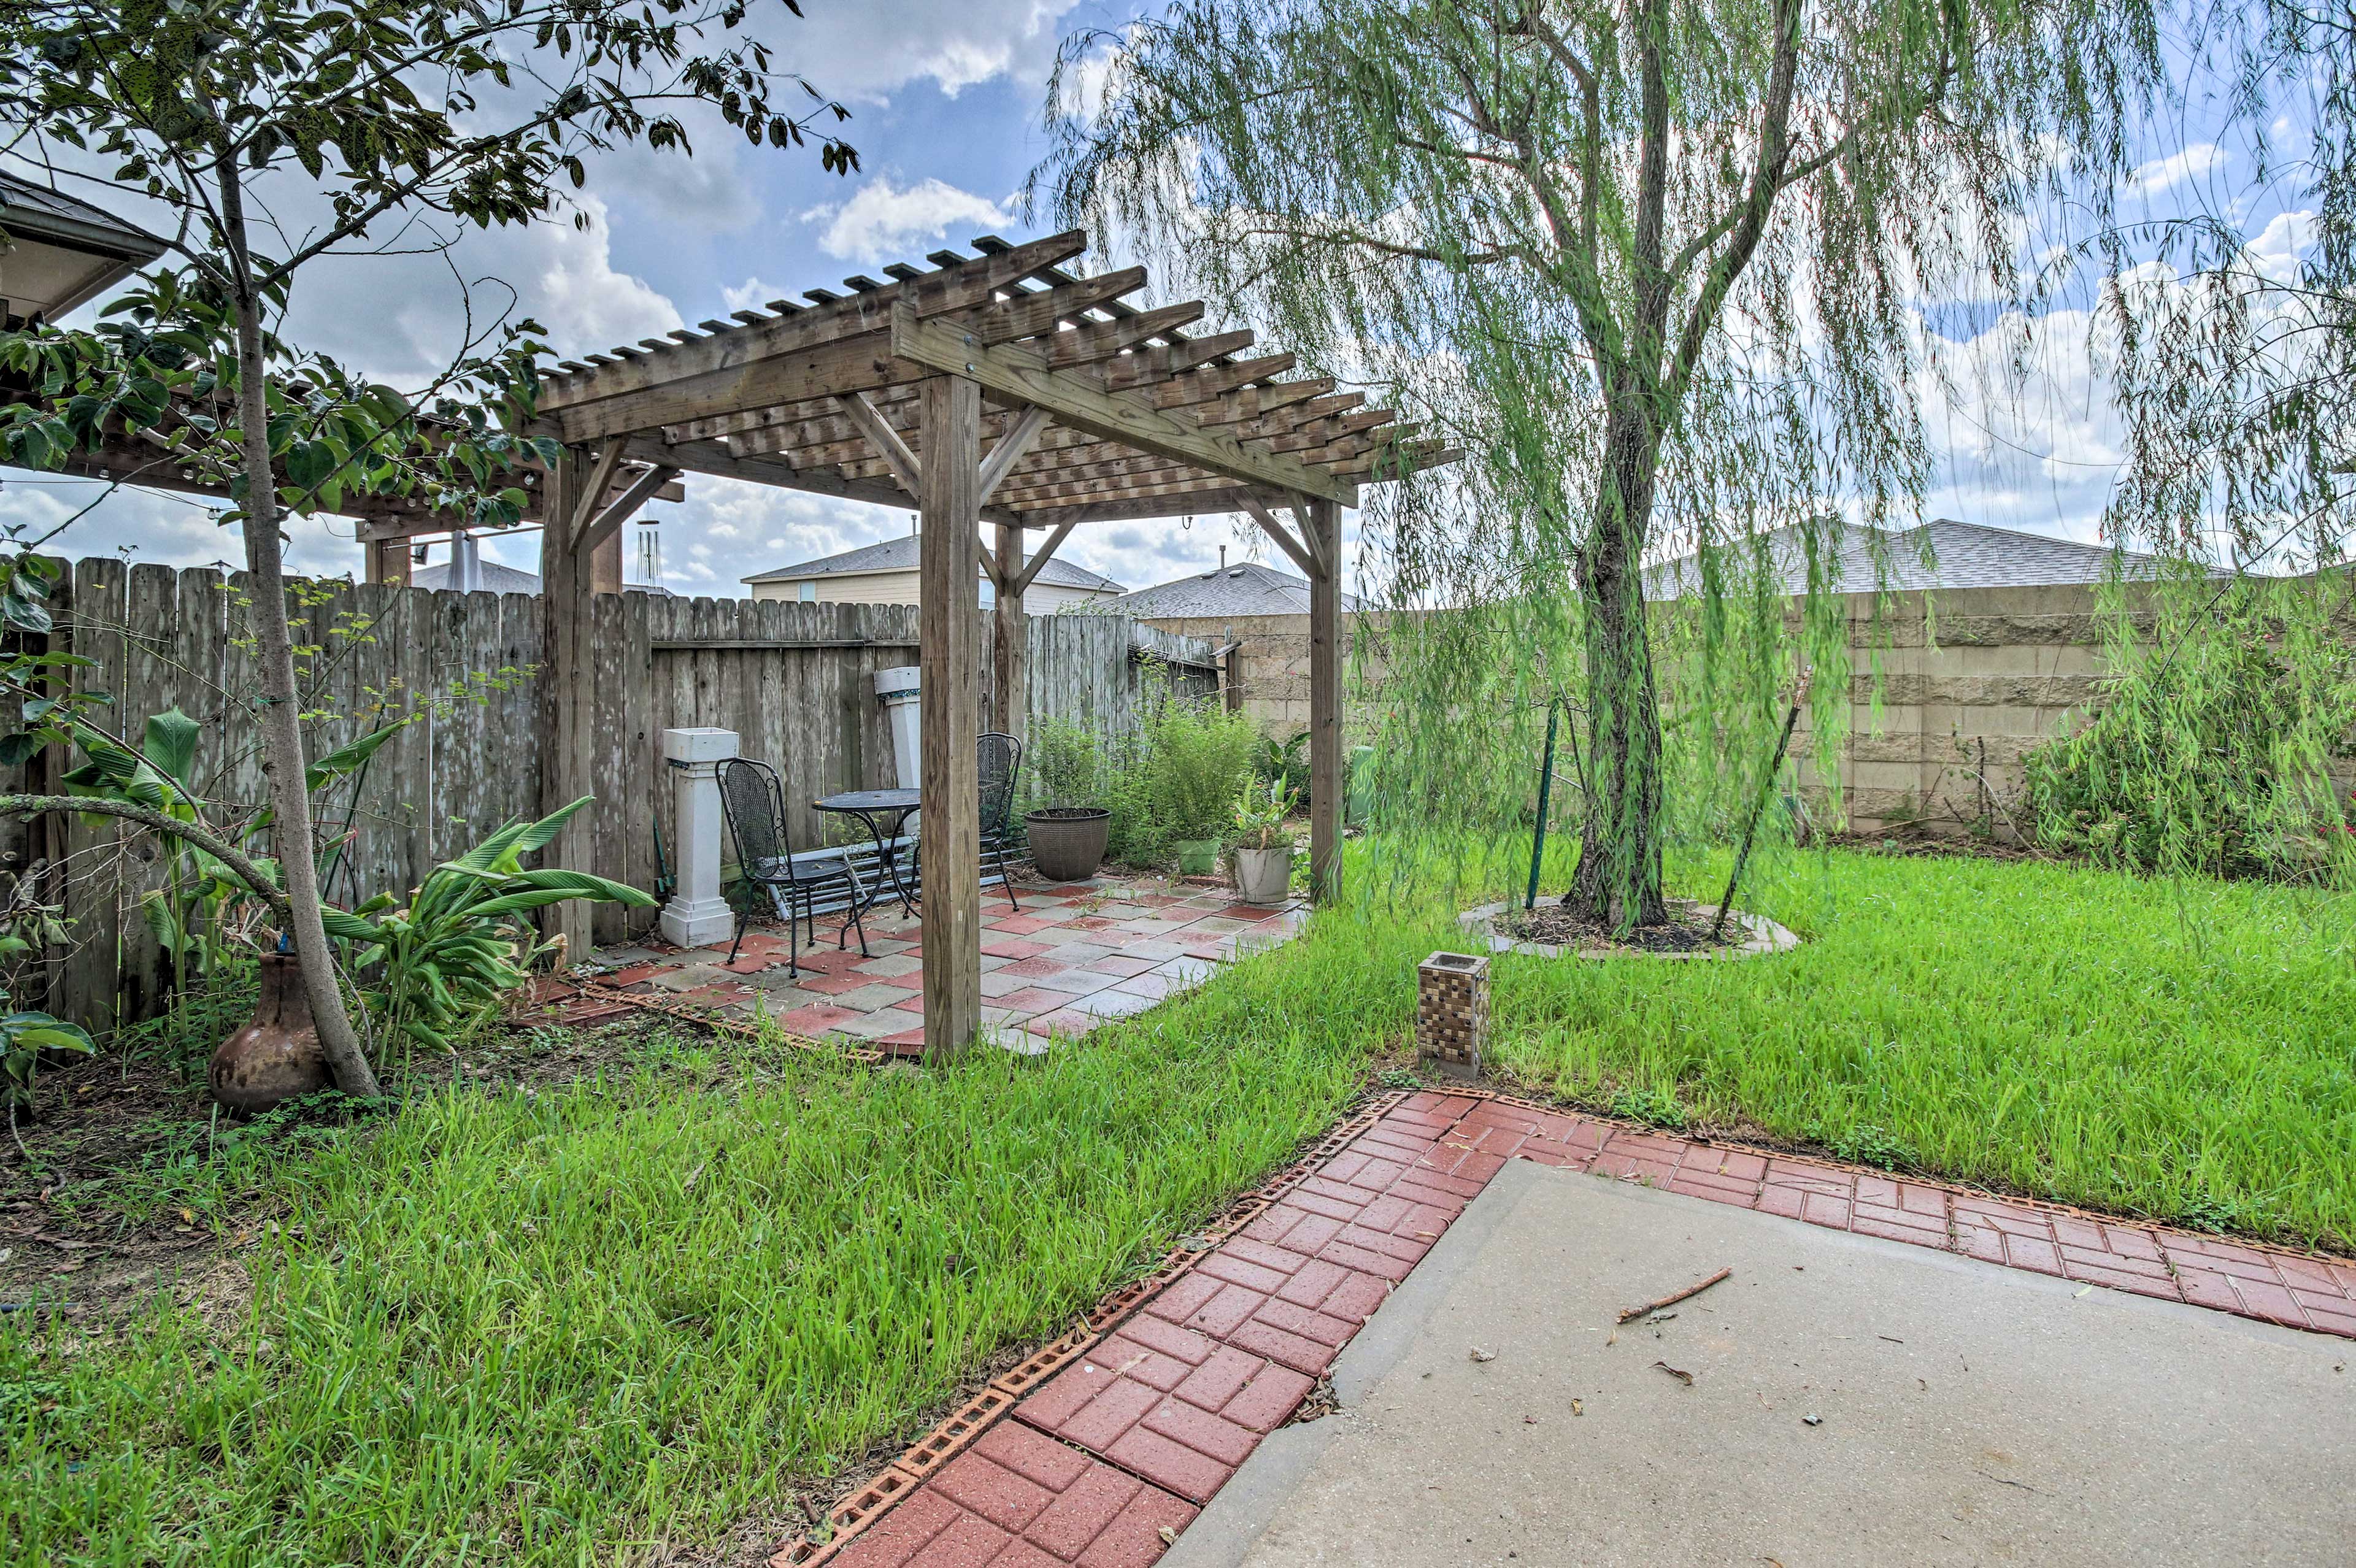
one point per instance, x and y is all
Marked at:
(946, 95)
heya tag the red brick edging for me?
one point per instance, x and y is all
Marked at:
(1121, 1430)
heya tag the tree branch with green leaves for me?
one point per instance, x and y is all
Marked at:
(480, 116)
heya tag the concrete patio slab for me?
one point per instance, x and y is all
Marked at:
(1177, 1379)
(1967, 1415)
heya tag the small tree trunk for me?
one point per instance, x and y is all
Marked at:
(1619, 875)
(282, 728)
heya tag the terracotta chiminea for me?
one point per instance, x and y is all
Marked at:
(276, 1058)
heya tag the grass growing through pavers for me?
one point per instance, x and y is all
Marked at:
(634, 1310)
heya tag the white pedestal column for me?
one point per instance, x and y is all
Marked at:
(697, 915)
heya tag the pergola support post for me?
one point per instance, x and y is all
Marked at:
(949, 575)
(565, 693)
(605, 564)
(1324, 548)
(1008, 670)
(580, 558)
(387, 562)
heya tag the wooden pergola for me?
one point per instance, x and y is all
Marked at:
(999, 389)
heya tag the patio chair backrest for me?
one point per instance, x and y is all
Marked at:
(755, 805)
(1000, 760)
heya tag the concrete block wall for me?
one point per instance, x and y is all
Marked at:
(1971, 679)
(2009, 665)
(1272, 665)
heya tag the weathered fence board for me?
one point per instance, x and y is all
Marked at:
(96, 631)
(794, 680)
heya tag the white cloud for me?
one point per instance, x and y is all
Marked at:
(2276, 251)
(2194, 162)
(749, 294)
(885, 223)
(955, 44)
(579, 296)
(402, 318)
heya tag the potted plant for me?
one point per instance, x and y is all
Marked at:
(1263, 844)
(1200, 755)
(1068, 829)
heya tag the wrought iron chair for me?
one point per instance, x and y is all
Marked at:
(750, 794)
(1000, 760)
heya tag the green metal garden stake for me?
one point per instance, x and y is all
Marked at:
(1546, 785)
(1759, 807)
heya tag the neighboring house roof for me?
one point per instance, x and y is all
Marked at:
(900, 555)
(101, 250)
(498, 579)
(54, 212)
(1963, 555)
(1250, 588)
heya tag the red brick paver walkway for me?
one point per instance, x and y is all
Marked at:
(1102, 1461)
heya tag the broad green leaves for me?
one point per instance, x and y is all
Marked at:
(23, 1037)
(458, 948)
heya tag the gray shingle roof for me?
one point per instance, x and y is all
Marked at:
(35, 209)
(900, 555)
(1963, 555)
(1250, 588)
(69, 250)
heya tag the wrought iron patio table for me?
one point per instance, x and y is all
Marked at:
(874, 807)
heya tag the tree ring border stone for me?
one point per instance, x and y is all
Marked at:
(1765, 937)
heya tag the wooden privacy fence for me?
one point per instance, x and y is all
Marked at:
(794, 681)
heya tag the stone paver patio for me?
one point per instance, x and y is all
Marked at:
(1074, 955)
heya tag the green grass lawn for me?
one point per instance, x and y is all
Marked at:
(2183, 1052)
(565, 1327)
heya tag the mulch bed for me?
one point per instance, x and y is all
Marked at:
(1916, 843)
(1686, 931)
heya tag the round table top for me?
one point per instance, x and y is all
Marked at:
(871, 800)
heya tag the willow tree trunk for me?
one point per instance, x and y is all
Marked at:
(1619, 875)
(283, 766)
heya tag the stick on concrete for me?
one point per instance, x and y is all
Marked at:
(1675, 1297)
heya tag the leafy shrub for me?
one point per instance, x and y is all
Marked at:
(1258, 817)
(1176, 777)
(2211, 747)
(1201, 755)
(1067, 766)
(1284, 766)
(461, 946)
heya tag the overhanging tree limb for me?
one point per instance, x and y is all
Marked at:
(203, 838)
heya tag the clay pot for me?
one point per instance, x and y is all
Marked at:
(1068, 843)
(276, 1058)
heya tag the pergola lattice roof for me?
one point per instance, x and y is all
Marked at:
(1103, 409)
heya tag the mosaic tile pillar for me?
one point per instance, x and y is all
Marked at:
(1451, 1013)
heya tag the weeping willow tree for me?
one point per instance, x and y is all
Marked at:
(2224, 741)
(1656, 265)
(2232, 324)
